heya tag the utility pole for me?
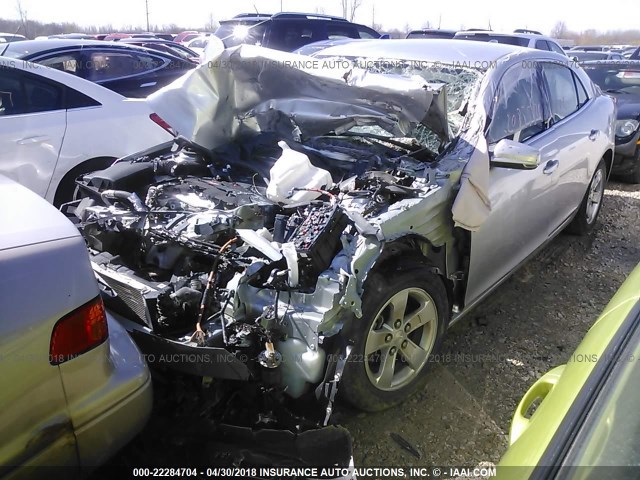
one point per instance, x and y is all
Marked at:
(146, 2)
(281, 5)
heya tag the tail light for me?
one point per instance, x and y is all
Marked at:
(78, 332)
(631, 74)
(158, 120)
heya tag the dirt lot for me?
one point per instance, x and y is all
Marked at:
(531, 324)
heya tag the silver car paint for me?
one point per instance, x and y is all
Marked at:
(50, 413)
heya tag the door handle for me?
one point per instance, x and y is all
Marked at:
(593, 135)
(538, 391)
(148, 84)
(550, 167)
(33, 140)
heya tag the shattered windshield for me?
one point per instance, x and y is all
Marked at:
(459, 82)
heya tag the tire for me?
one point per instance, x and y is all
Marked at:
(66, 190)
(591, 204)
(365, 383)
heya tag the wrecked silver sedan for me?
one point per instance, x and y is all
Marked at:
(319, 223)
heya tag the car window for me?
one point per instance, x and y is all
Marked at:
(107, 65)
(485, 37)
(76, 99)
(561, 86)
(12, 101)
(233, 34)
(556, 48)
(66, 62)
(518, 112)
(367, 33)
(542, 45)
(23, 93)
(583, 97)
(291, 35)
(336, 31)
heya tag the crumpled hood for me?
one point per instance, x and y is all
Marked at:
(249, 89)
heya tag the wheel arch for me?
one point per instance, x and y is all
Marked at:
(413, 252)
(608, 161)
(68, 179)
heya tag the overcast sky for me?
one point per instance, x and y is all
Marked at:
(503, 14)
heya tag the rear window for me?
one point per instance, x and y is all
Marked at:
(486, 37)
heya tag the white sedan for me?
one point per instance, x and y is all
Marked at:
(55, 126)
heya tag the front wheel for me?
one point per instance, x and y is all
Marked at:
(405, 316)
(591, 205)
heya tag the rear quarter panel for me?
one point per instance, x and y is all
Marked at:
(112, 130)
(39, 284)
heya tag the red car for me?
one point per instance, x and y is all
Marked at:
(186, 36)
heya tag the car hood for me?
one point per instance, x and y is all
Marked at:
(248, 89)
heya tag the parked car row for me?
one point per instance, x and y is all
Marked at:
(294, 240)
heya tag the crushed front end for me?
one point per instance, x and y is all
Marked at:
(240, 258)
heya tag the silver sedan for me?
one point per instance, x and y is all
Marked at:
(74, 388)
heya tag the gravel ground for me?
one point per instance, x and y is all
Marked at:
(530, 324)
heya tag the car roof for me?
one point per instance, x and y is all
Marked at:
(146, 40)
(433, 30)
(622, 63)
(506, 34)
(31, 219)
(261, 17)
(420, 49)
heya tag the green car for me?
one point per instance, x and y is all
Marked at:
(587, 422)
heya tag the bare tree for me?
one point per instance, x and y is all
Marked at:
(559, 30)
(212, 24)
(349, 8)
(22, 13)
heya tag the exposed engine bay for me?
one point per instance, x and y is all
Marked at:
(204, 255)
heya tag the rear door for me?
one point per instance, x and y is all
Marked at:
(32, 127)
(571, 135)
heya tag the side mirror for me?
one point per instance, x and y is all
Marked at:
(510, 154)
(385, 36)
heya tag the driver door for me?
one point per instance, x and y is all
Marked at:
(520, 202)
